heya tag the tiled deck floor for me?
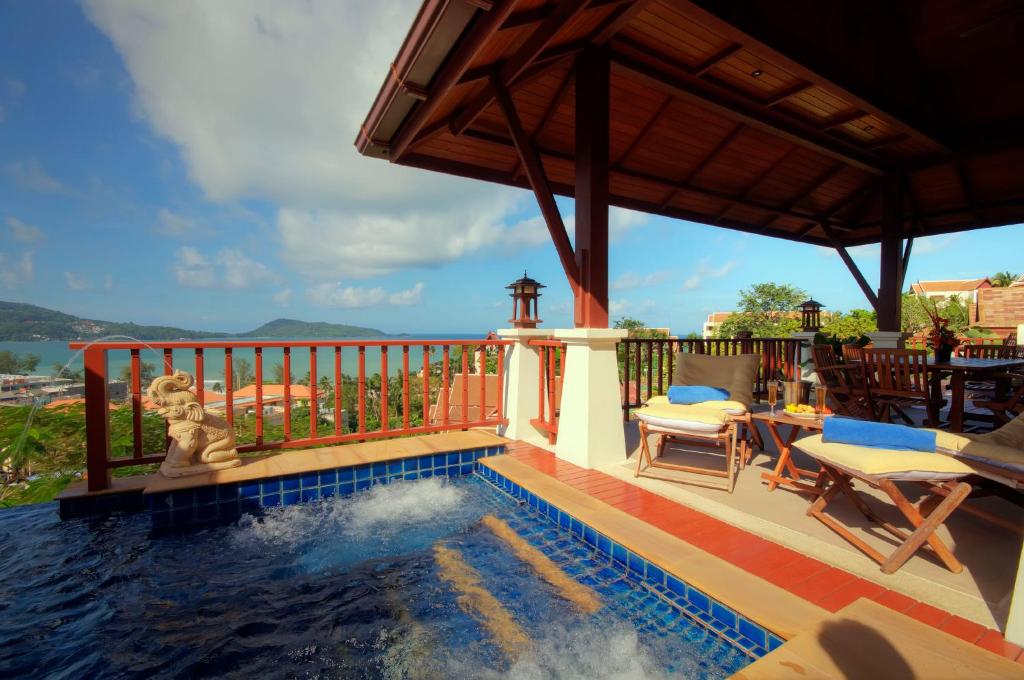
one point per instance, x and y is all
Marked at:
(811, 579)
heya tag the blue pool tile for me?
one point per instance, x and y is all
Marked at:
(290, 483)
(395, 468)
(466, 457)
(310, 480)
(655, 575)
(698, 599)
(184, 498)
(723, 614)
(774, 642)
(290, 498)
(604, 545)
(362, 484)
(635, 563)
(346, 488)
(466, 469)
(426, 473)
(328, 477)
(182, 515)
(346, 474)
(328, 491)
(564, 520)
(161, 519)
(589, 536)
(731, 633)
(411, 464)
(453, 470)
(362, 473)
(753, 631)
(410, 476)
(227, 492)
(228, 509)
(206, 494)
(380, 469)
(453, 458)
(267, 486)
(310, 494)
(251, 505)
(576, 528)
(272, 500)
(542, 506)
(438, 460)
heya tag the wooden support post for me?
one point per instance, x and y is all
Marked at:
(97, 419)
(890, 271)
(592, 116)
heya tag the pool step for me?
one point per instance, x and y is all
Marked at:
(568, 588)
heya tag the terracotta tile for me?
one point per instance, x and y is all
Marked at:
(851, 592)
(774, 558)
(993, 641)
(724, 542)
(895, 601)
(791, 574)
(754, 555)
(964, 629)
(818, 587)
(927, 614)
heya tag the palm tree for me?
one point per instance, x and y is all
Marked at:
(1004, 279)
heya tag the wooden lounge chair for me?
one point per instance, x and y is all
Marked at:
(947, 475)
(845, 385)
(708, 426)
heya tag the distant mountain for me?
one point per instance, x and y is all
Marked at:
(292, 328)
(21, 322)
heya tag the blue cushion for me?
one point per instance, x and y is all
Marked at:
(694, 394)
(838, 430)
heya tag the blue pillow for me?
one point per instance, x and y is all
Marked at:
(694, 394)
(838, 430)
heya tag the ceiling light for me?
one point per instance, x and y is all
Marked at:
(869, 128)
(757, 73)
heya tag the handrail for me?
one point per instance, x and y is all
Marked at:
(551, 374)
(396, 413)
(647, 363)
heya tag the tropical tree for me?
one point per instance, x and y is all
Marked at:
(764, 310)
(18, 363)
(1003, 279)
(241, 373)
(854, 324)
(277, 372)
(915, 317)
(217, 387)
(147, 372)
(637, 328)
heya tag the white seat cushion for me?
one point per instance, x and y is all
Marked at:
(733, 408)
(684, 418)
(873, 463)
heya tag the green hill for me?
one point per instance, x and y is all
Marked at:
(24, 322)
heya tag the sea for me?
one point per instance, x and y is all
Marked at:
(54, 352)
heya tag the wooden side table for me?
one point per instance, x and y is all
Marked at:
(797, 476)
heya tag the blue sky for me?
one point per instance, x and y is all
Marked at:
(193, 166)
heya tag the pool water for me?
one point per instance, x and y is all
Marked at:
(353, 587)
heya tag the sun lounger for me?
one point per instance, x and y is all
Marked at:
(714, 425)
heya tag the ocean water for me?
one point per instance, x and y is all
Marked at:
(56, 352)
(351, 587)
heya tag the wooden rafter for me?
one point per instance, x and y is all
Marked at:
(841, 119)
(616, 21)
(651, 122)
(746, 110)
(531, 161)
(539, 65)
(520, 60)
(908, 246)
(553, 105)
(643, 176)
(968, 189)
(851, 265)
(819, 181)
(686, 182)
(719, 56)
(449, 75)
(787, 92)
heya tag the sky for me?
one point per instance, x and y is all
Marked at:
(192, 164)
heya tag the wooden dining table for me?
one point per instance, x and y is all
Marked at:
(959, 368)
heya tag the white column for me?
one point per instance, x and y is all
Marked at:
(883, 339)
(1015, 621)
(590, 431)
(522, 366)
(806, 339)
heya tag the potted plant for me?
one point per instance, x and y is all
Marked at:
(941, 340)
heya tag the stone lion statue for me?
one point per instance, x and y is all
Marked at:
(200, 441)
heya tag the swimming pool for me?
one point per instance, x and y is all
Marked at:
(438, 577)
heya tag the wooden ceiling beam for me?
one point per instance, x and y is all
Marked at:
(787, 92)
(556, 101)
(686, 182)
(448, 76)
(534, 168)
(616, 21)
(642, 176)
(535, 15)
(651, 122)
(719, 56)
(841, 119)
(747, 111)
(968, 189)
(539, 64)
(521, 59)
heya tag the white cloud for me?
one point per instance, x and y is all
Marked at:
(621, 220)
(872, 250)
(21, 231)
(170, 223)
(933, 244)
(266, 102)
(628, 280)
(707, 271)
(336, 295)
(283, 297)
(228, 269)
(31, 175)
(77, 281)
(621, 307)
(16, 270)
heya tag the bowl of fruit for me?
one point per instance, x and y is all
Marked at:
(805, 411)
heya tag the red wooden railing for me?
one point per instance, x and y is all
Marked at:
(549, 385)
(647, 363)
(918, 342)
(98, 444)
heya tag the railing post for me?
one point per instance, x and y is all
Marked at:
(522, 389)
(97, 419)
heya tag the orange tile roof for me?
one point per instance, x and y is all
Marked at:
(274, 390)
(951, 284)
(73, 401)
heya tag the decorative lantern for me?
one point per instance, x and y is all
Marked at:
(810, 316)
(524, 291)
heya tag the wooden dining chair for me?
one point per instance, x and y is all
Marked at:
(895, 379)
(852, 353)
(986, 351)
(846, 393)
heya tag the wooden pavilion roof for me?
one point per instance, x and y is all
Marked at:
(775, 118)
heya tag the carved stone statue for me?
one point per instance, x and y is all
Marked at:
(200, 441)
